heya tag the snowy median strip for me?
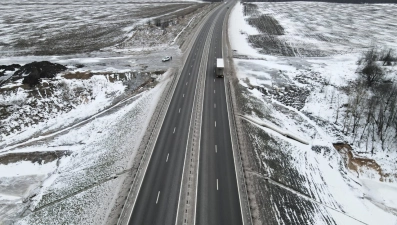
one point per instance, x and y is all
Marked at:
(275, 128)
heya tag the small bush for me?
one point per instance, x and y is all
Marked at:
(372, 73)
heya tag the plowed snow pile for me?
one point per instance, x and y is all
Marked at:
(297, 72)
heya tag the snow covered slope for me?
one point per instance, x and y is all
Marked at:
(293, 65)
(67, 144)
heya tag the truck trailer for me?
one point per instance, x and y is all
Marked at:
(219, 67)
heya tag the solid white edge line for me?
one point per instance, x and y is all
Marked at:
(158, 195)
(186, 151)
(199, 147)
(150, 157)
(231, 136)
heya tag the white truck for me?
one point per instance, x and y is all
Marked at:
(219, 67)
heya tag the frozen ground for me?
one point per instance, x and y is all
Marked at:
(101, 77)
(67, 144)
(327, 28)
(68, 159)
(292, 71)
(32, 27)
(111, 35)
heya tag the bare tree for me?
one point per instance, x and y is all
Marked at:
(388, 58)
(337, 109)
(372, 73)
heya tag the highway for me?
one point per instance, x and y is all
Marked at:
(217, 197)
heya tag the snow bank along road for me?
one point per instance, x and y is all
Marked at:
(217, 191)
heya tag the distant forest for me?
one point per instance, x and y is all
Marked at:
(335, 1)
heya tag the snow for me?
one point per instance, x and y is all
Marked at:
(100, 88)
(88, 131)
(99, 120)
(380, 192)
(238, 30)
(8, 198)
(24, 168)
(321, 174)
(177, 36)
(338, 70)
(103, 140)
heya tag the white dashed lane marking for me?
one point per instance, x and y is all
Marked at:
(158, 195)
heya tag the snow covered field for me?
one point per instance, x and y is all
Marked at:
(68, 143)
(100, 147)
(70, 27)
(292, 73)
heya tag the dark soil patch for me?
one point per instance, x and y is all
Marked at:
(271, 44)
(33, 72)
(78, 75)
(250, 9)
(357, 164)
(11, 67)
(289, 95)
(34, 157)
(266, 24)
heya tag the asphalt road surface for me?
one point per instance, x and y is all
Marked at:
(217, 196)
(158, 197)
